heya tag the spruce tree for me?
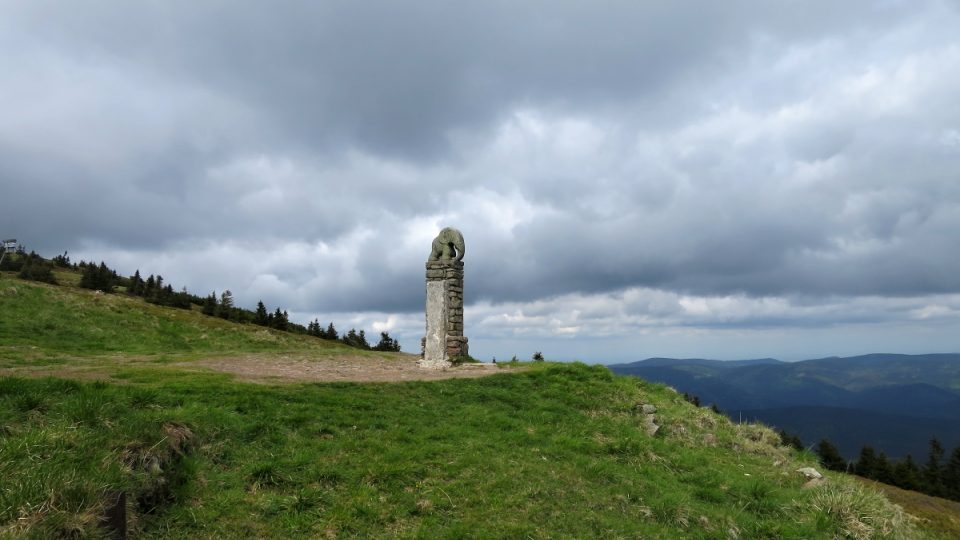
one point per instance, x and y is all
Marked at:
(951, 476)
(149, 286)
(63, 261)
(867, 463)
(260, 317)
(106, 278)
(88, 278)
(883, 470)
(907, 474)
(226, 306)
(331, 332)
(136, 284)
(279, 320)
(98, 278)
(786, 439)
(387, 343)
(830, 456)
(210, 304)
(933, 471)
(36, 268)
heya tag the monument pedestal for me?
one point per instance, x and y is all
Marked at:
(444, 341)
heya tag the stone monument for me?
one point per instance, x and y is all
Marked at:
(444, 341)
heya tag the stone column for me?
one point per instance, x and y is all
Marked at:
(444, 341)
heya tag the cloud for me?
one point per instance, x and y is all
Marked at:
(738, 156)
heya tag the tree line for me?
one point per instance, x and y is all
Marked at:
(154, 290)
(29, 266)
(938, 476)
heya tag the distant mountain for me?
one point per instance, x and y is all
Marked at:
(666, 362)
(882, 389)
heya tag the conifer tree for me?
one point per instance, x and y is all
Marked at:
(226, 310)
(279, 320)
(136, 284)
(786, 439)
(951, 476)
(883, 470)
(313, 329)
(63, 261)
(149, 286)
(867, 463)
(36, 268)
(331, 332)
(98, 278)
(106, 277)
(260, 317)
(830, 456)
(210, 304)
(387, 343)
(88, 278)
(907, 474)
(933, 471)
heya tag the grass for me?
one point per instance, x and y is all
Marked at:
(558, 450)
(939, 517)
(554, 450)
(42, 323)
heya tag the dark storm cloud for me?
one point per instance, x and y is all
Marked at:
(307, 151)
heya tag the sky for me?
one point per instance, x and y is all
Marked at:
(632, 179)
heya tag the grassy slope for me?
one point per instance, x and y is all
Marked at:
(557, 451)
(941, 515)
(47, 323)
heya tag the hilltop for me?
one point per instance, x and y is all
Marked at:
(103, 394)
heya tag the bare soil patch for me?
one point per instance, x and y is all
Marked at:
(341, 368)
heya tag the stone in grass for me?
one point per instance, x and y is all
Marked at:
(810, 473)
(813, 482)
(813, 476)
(651, 425)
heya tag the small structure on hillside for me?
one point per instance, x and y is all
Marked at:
(444, 342)
(9, 246)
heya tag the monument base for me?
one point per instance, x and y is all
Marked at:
(444, 343)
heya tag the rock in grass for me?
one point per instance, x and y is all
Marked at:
(810, 473)
(651, 425)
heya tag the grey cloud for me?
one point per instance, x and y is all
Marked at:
(766, 150)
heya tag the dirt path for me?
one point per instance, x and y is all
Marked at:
(265, 368)
(295, 368)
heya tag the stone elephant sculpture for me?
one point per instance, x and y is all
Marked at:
(447, 246)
